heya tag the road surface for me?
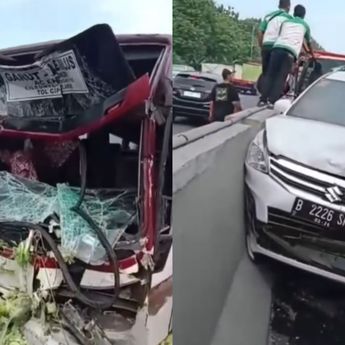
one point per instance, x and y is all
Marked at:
(182, 125)
(268, 304)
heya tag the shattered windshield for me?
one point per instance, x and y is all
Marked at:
(112, 212)
(36, 202)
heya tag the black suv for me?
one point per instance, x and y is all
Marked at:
(192, 94)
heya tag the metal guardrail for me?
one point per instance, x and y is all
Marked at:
(182, 139)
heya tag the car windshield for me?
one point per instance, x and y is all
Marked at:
(181, 68)
(322, 102)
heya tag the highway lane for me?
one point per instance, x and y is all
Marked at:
(182, 125)
(267, 304)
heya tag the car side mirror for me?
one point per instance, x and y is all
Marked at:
(282, 105)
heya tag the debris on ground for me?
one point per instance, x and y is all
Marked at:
(168, 340)
(14, 337)
(15, 311)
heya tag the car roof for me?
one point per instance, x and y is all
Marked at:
(181, 65)
(336, 75)
(202, 75)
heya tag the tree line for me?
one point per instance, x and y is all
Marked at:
(207, 32)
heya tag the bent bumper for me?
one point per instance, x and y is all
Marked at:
(191, 108)
(266, 192)
(274, 233)
(191, 112)
(298, 264)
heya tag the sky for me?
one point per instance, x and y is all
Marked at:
(326, 18)
(33, 21)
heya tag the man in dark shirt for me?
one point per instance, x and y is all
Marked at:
(224, 99)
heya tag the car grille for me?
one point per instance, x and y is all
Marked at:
(324, 186)
(283, 220)
(285, 226)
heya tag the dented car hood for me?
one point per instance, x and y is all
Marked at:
(315, 144)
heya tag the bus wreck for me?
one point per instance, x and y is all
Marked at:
(85, 186)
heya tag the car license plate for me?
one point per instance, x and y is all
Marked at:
(192, 94)
(317, 214)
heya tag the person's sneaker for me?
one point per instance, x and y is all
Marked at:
(270, 105)
(261, 103)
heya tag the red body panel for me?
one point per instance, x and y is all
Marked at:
(136, 94)
(241, 82)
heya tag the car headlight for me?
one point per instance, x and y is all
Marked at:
(257, 154)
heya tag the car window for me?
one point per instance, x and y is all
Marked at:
(311, 73)
(190, 80)
(322, 102)
(329, 65)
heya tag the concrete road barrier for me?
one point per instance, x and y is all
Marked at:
(194, 134)
(210, 264)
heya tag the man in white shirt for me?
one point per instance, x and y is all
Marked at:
(285, 52)
(268, 33)
(269, 29)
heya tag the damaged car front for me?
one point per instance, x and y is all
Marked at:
(295, 183)
(84, 183)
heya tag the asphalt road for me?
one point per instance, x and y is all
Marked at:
(182, 125)
(273, 304)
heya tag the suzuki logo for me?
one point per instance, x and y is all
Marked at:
(334, 194)
(192, 88)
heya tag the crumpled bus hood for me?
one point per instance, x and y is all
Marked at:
(56, 234)
(69, 89)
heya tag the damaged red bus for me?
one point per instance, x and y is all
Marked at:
(85, 184)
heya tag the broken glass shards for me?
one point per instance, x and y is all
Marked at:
(111, 211)
(25, 200)
(35, 202)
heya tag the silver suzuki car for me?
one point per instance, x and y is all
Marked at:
(295, 182)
